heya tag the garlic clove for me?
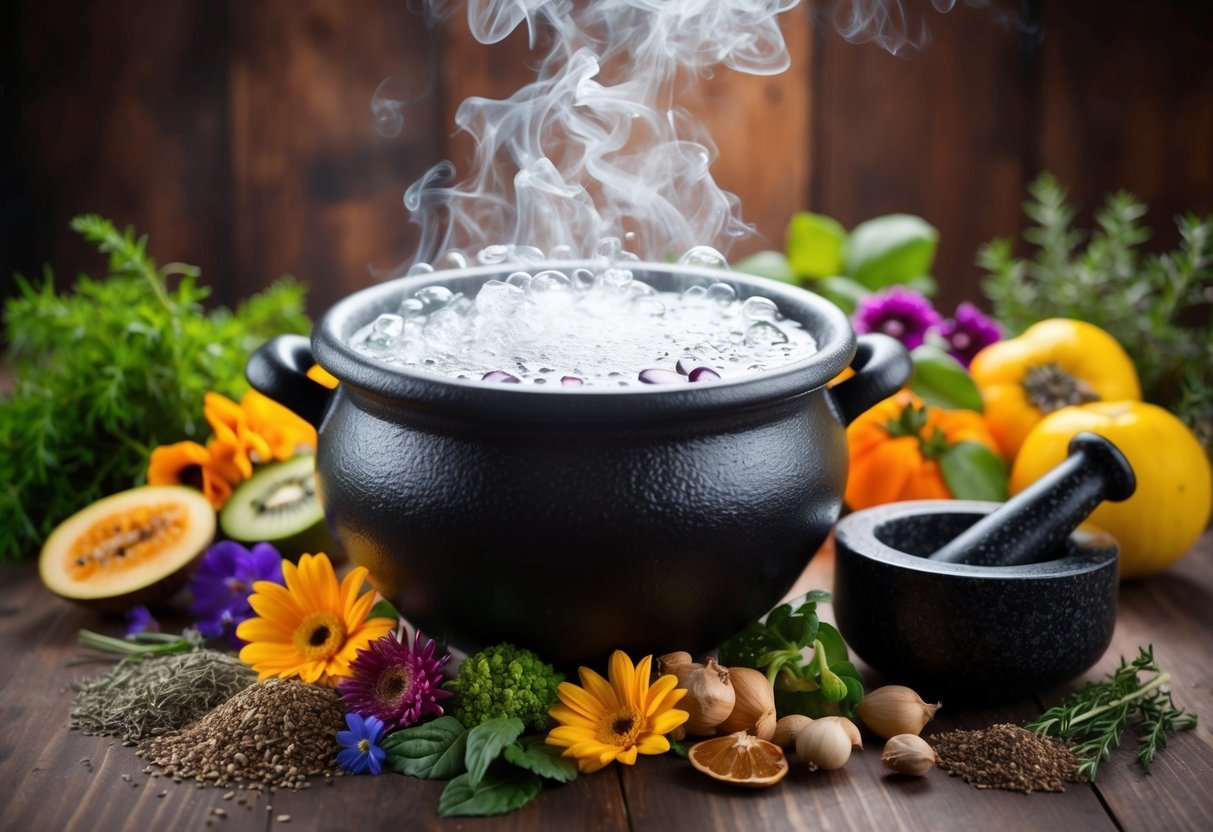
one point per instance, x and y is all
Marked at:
(823, 744)
(710, 698)
(672, 663)
(908, 754)
(754, 708)
(893, 710)
(786, 729)
(851, 729)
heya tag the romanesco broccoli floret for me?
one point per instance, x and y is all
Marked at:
(505, 681)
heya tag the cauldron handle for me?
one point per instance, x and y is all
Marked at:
(279, 370)
(882, 366)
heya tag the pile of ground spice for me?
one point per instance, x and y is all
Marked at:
(274, 733)
(1005, 756)
(152, 695)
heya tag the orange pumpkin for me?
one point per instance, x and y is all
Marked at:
(895, 447)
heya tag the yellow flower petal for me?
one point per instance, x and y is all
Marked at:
(653, 744)
(598, 687)
(627, 756)
(622, 675)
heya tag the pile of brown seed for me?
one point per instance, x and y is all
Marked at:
(1005, 756)
(274, 733)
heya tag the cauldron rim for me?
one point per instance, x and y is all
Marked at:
(419, 389)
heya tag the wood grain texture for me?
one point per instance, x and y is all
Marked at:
(316, 191)
(118, 108)
(940, 134)
(55, 789)
(1127, 103)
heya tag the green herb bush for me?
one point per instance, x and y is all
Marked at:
(1158, 306)
(112, 369)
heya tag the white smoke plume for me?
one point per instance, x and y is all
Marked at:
(596, 146)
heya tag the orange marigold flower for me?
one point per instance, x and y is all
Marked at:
(283, 432)
(188, 463)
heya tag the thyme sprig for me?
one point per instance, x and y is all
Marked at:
(1094, 718)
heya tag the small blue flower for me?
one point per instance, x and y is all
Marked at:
(360, 749)
(139, 620)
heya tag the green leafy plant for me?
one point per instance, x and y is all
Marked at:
(108, 371)
(877, 253)
(1158, 306)
(491, 768)
(1094, 718)
(819, 683)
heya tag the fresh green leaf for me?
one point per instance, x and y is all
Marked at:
(772, 264)
(534, 754)
(485, 743)
(831, 640)
(678, 748)
(845, 669)
(432, 751)
(745, 648)
(893, 249)
(841, 291)
(384, 609)
(502, 789)
(854, 694)
(815, 243)
(974, 472)
(924, 285)
(942, 381)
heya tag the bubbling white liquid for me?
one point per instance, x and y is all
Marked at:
(581, 327)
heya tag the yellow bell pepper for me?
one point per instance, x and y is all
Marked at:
(1053, 364)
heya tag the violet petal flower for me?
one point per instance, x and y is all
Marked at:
(395, 682)
(140, 620)
(898, 312)
(360, 751)
(969, 332)
(224, 581)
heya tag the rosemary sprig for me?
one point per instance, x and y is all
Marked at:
(1094, 718)
(143, 644)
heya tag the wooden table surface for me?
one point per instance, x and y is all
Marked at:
(55, 778)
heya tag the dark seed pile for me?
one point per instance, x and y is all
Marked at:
(1005, 756)
(144, 697)
(274, 733)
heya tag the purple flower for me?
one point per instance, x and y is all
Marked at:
(899, 312)
(969, 332)
(223, 582)
(360, 749)
(139, 620)
(396, 683)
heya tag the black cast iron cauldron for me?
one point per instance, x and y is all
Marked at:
(578, 520)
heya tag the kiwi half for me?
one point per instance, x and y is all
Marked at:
(278, 505)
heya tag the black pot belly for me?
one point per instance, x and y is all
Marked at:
(577, 541)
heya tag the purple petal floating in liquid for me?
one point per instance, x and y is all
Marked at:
(686, 364)
(571, 381)
(500, 376)
(703, 374)
(656, 375)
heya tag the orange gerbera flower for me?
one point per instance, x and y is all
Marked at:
(605, 721)
(312, 627)
(188, 463)
(283, 432)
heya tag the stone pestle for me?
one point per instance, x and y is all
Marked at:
(1033, 525)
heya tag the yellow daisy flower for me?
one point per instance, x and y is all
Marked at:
(312, 627)
(603, 721)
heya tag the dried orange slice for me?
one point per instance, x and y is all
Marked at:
(741, 759)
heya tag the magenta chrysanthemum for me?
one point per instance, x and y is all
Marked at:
(897, 311)
(969, 332)
(397, 683)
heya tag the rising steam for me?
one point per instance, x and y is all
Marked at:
(596, 147)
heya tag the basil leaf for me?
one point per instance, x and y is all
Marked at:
(814, 597)
(503, 789)
(486, 742)
(854, 693)
(815, 244)
(778, 615)
(748, 646)
(943, 381)
(384, 609)
(533, 754)
(974, 472)
(841, 291)
(772, 264)
(845, 669)
(891, 249)
(432, 751)
(831, 640)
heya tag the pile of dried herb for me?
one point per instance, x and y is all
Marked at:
(1005, 756)
(275, 733)
(144, 697)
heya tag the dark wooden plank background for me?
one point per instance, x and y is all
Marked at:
(239, 135)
